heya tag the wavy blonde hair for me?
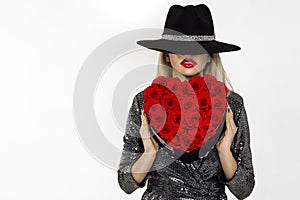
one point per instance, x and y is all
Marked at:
(214, 67)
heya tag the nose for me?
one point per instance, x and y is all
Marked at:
(192, 55)
(186, 56)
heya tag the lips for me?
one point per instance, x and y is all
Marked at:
(188, 63)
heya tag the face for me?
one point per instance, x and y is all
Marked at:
(188, 65)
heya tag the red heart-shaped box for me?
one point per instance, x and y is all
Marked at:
(186, 116)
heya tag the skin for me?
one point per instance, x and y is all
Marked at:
(142, 165)
(186, 73)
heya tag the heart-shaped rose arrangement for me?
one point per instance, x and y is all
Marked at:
(185, 114)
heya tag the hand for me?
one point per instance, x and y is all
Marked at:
(150, 145)
(225, 142)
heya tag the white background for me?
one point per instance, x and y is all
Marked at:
(43, 45)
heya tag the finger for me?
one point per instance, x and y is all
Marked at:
(142, 112)
(219, 141)
(222, 136)
(233, 128)
(144, 131)
(228, 125)
(144, 119)
(145, 134)
(154, 142)
(229, 111)
(232, 123)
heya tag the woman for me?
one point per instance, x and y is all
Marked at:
(193, 53)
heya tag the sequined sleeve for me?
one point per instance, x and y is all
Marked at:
(132, 149)
(242, 183)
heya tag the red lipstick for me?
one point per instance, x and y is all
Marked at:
(188, 63)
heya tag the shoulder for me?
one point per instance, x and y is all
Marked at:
(236, 98)
(138, 99)
(236, 103)
(139, 95)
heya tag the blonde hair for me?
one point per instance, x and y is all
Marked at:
(214, 68)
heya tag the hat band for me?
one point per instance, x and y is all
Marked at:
(188, 37)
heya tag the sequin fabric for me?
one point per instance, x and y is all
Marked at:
(202, 179)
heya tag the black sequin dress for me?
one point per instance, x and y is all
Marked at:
(201, 179)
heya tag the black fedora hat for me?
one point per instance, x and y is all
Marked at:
(188, 30)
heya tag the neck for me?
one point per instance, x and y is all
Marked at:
(182, 77)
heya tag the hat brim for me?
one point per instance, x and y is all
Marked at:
(188, 47)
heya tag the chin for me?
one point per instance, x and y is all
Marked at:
(194, 73)
(191, 75)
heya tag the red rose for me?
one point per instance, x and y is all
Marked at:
(186, 114)
(203, 127)
(168, 132)
(161, 82)
(150, 103)
(189, 139)
(190, 103)
(186, 139)
(187, 90)
(209, 80)
(216, 117)
(211, 132)
(195, 144)
(219, 102)
(158, 116)
(201, 134)
(192, 119)
(204, 99)
(175, 142)
(152, 92)
(198, 84)
(193, 136)
(174, 117)
(174, 85)
(218, 89)
(206, 115)
(170, 103)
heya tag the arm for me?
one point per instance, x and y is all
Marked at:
(132, 151)
(229, 164)
(141, 167)
(242, 182)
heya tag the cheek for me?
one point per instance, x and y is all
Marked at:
(174, 59)
(201, 61)
(175, 62)
(201, 64)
